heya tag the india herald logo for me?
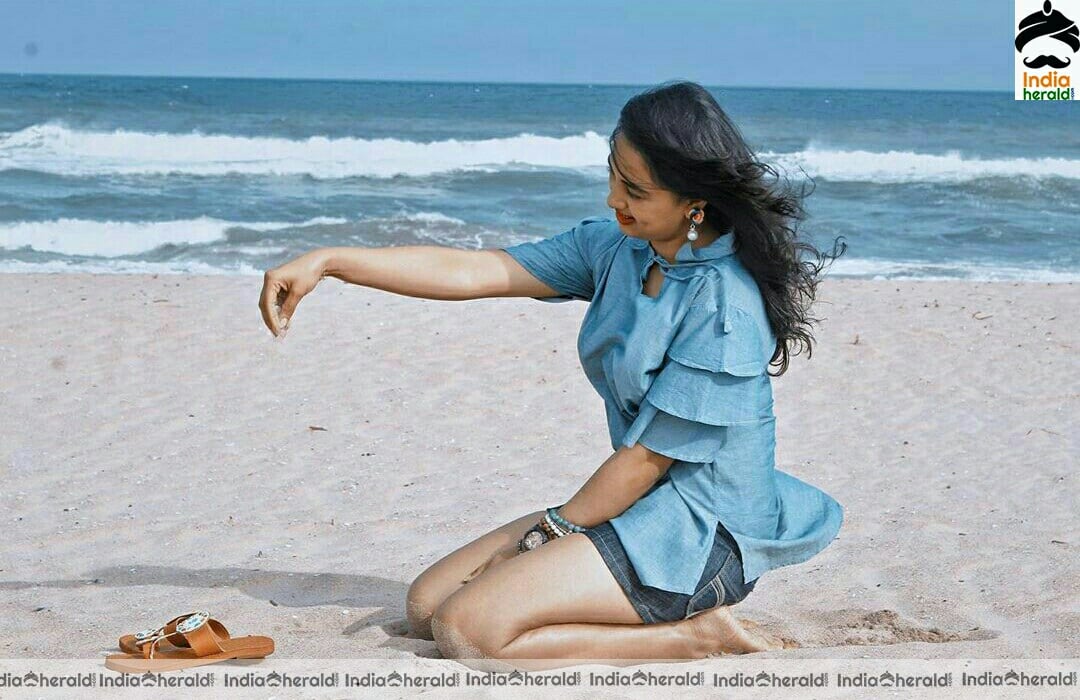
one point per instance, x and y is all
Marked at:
(1049, 23)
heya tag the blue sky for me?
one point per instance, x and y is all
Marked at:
(903, 44)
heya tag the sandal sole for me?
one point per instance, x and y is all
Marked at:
(250, 647)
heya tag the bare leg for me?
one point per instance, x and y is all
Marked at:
(711, 633)
(527, 609)
(443, 577)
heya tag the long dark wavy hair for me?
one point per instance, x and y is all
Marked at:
(693, 149)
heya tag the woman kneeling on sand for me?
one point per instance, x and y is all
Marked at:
(695, 289)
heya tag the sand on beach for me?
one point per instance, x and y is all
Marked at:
(161, 452)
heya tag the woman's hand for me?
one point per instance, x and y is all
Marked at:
(284, 287)
(508, 552)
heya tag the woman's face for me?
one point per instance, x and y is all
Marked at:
(655, 213)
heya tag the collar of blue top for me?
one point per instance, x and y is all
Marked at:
(722, 246)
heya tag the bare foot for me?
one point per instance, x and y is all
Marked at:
(784, 642)
(721, 633)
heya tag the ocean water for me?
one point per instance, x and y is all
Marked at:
(234, 176)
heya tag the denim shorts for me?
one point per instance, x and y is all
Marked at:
(721, 583)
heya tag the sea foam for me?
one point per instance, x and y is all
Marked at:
(55, 148)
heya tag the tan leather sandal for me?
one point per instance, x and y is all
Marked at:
(132, 643)
(205, 646)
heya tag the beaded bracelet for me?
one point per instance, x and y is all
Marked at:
(563, 522)
(546, 529)
(554, 531)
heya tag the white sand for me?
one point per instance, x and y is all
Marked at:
(157, 456)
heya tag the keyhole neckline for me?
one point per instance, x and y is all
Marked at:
(645, 278)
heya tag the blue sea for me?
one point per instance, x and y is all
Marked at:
(234, 176)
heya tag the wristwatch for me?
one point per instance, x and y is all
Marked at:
(534, 537)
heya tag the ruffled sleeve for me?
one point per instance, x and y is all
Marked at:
(714, 376)
(566, 261)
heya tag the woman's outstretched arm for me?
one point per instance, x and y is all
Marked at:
(425, 271)
(429, 272)
(622, 479)
(433, 272)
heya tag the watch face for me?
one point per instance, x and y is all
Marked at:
(534, 538)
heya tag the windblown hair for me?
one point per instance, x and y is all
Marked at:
(693, 149)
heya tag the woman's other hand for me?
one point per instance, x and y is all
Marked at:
(508, 552)
(284, 286)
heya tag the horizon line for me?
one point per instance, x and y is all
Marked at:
(502, 82)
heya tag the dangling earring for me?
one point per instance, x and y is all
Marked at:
(696, 217)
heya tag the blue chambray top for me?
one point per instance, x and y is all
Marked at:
(685, 375)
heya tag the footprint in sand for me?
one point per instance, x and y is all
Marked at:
(854, 627)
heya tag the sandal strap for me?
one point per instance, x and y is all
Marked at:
(166, 630)
(169, 634)
(203, 639)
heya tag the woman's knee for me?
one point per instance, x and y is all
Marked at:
(443, 578)
(421, 601)
(456, 632)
